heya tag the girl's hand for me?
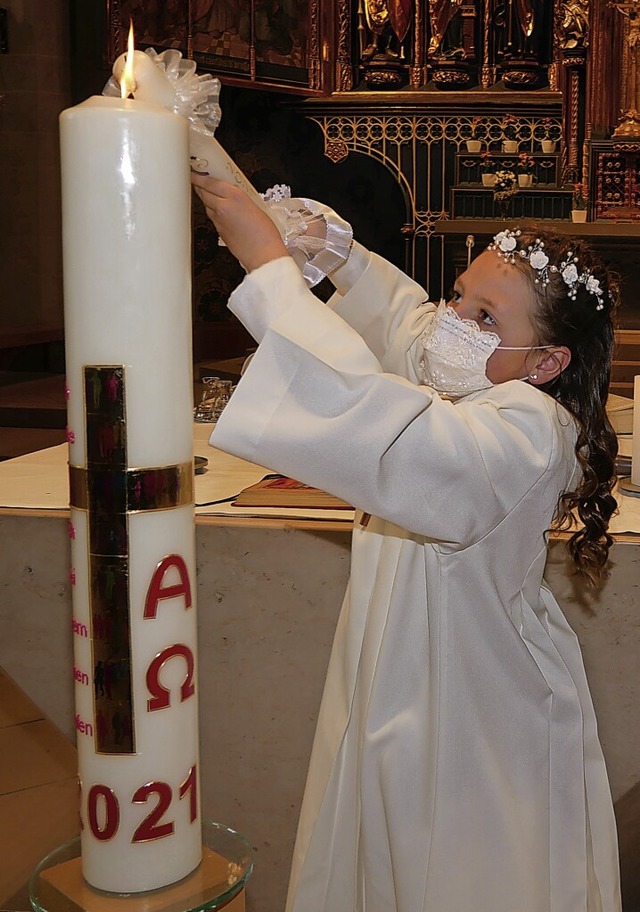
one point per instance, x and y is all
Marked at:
(247, 231)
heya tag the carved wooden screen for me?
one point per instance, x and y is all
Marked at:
(615, 167)
(447, 44)
(275, 44)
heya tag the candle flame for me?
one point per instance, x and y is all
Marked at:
(128, 83)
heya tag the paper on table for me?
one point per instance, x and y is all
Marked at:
(39, 481)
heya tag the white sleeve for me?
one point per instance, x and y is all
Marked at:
(316, 404)
(345, 277)
(387, 308)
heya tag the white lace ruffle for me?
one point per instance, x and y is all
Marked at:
(315, 236)
(196, 97)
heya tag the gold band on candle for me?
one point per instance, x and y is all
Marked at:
(158, 488)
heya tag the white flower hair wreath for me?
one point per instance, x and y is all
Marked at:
(505, 243)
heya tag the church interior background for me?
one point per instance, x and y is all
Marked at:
(428, 124)
(397, 113)
(401, 113)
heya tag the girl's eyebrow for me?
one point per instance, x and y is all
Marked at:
(482, 301)
(488, 302)
(491, 308)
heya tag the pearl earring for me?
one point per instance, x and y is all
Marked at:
(533, 376)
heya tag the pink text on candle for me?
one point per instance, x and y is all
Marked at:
(79, 628)
(85, 728)
(81, 676)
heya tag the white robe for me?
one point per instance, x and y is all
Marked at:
(456, 765)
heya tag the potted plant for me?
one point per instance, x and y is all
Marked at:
(526, 167)
(504, 189)
(509, 135)
(580, 201)
(547, 129)
(473, 143)
(488, 168)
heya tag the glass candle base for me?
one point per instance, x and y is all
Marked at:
(57, 884)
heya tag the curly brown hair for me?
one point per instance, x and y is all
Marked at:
(582, 388)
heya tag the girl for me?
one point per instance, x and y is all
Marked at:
(456, 764)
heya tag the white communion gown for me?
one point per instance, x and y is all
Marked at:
(456, 765)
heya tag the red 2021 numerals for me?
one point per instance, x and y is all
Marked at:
(103, 809)
(110, 815)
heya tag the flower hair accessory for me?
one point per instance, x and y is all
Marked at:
(505, 243)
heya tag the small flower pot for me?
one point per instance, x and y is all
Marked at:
(509, 145)
(578, 215)
(548, 145)
(525, 180)
(473, 145)
(488, 180)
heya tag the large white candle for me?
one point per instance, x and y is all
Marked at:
(635, 444)
(127, 268)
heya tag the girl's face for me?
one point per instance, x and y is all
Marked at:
(498, 297)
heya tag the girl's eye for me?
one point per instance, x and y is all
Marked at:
(486, 318)
(455, 296)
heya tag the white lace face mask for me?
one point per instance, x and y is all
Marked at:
(456, 352)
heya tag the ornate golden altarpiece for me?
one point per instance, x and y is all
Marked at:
(408, 82)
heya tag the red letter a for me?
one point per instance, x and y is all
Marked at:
(156, 590)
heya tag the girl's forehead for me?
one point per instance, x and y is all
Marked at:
(492, 278)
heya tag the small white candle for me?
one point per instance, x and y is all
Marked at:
(635, 444)
(152, 85)
(127, 276)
